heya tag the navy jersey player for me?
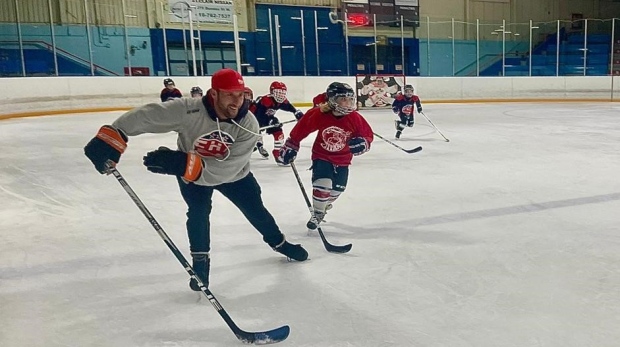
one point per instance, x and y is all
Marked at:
(196, 92)
(265, 108)
(403, 107)
(170, 91)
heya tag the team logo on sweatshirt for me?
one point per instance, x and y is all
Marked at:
(334, 139)
(214, 144)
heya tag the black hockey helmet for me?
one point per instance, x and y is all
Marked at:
(196, 91)
(168, 81)
(341, 98)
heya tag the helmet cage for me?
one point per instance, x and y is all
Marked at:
(196, 91)
(342, 103)
(279, 95)
(408, 91)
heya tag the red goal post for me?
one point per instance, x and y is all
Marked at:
(377, 90)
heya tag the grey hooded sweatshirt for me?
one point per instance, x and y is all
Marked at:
(196, 124)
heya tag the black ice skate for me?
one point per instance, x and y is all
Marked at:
(263, 152)
(291, 251)
(201, 265)
(398, 134)
(315, 220)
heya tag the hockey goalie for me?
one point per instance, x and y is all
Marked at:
(379, 93)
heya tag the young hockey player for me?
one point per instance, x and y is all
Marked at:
(341, 133)
(170, 91)
(403, 107)
(265, 109)
(196, 92)
(215, 142)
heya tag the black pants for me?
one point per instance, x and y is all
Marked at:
(406, 120)
(244, 193)
(338, 174)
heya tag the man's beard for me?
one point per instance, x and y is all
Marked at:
(226, 112)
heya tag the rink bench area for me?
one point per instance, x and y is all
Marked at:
(34, 96)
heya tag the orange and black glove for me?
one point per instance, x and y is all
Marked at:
(166, 161)
(107, 145)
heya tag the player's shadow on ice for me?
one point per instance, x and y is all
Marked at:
(358, 232)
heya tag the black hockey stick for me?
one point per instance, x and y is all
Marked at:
(257, 338)
(328, 246)
(429, 120)
(414, 150)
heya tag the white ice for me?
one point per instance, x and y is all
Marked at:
(508, 235)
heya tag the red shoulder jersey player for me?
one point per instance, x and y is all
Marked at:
(170, 91)
(265, 108)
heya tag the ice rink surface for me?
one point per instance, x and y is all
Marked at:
(508, 235)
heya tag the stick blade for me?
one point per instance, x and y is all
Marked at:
(333, 248)
(338, 249)
(266, 337)
(414, 150)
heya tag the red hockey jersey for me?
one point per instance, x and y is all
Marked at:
(332, 140)
(319, 99)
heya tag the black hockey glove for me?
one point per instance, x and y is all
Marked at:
(298, 114)
(274, 121)
(177, 163)
(107, 145)
(274, 126)
(358, 145)
(288, 152)
(420, 109)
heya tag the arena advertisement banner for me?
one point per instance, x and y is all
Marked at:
(203, 11)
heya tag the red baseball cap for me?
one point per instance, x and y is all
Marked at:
(227, 80)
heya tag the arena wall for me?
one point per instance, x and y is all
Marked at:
(35, 96)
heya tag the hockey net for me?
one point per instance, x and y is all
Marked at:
(377, 91)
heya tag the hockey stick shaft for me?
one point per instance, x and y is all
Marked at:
(431, 123)
(414, 150)
(275, 335)
(328, 246)
(277, 125)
